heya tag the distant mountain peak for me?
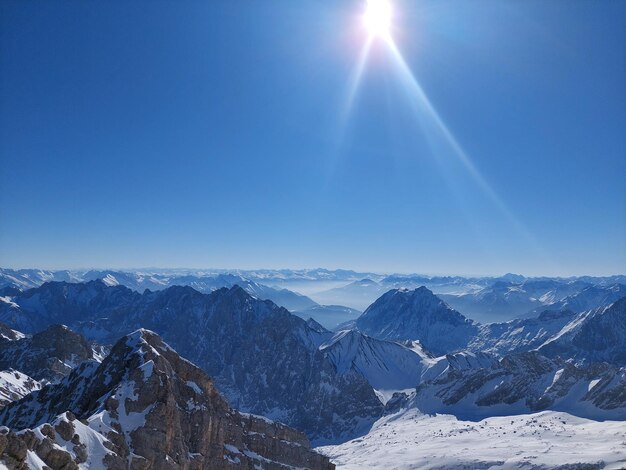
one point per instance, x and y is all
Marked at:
(417, 314)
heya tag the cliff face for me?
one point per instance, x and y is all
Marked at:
(144, 407)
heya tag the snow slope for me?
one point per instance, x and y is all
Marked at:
(15, 385)
(388, 367)
(411, 440)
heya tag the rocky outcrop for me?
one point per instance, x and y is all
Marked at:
(8, 334)
(47, 356)
(144, 407)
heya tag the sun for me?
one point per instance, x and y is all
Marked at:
(377, 18)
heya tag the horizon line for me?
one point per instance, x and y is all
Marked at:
(363, 272)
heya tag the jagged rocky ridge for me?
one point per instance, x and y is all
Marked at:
(11, 280)
(477, 386)
(227, 333)
(597, 335)
(47, 356)
(144, 407)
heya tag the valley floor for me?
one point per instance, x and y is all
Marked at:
(411, 440)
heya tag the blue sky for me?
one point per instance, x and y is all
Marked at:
(217, 134)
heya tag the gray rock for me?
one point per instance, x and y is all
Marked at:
(163, 412)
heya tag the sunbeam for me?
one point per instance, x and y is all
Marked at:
(424, 104)
(377, 25)
(355, 80)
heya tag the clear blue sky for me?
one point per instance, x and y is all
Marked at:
(216, 134)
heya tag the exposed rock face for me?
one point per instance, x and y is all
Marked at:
(522, 383)
(8, 334)
(263, 359)
(596, 335)
(520, 335)
(144, 407)
(46, 356)
(418, 314)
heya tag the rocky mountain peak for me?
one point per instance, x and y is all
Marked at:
(47, 356)
(146, 407)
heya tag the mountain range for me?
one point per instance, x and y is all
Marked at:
(143, 406)
(139, 281)
(228, 333)
(336, 296)
(408, 350)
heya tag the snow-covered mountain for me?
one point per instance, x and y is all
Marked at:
(410, 350)
(143, 407)
(475, 411)
(47, 356)
(484, 299)
(598, 335)
(589, 298)
(521, 334)
(403, 314)
(591, 336)
(524, 383)
(364, 291)
(358, 294)
(28, 278)
(387, 366)
(140, 281)
(228, 333)
(497, 302)
(503, 301)
(283, 297)
(63, 303)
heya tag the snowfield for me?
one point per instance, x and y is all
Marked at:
(411, 440)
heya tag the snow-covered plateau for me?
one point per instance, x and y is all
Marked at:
(410, 439)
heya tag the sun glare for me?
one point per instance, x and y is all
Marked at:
(377, 18)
